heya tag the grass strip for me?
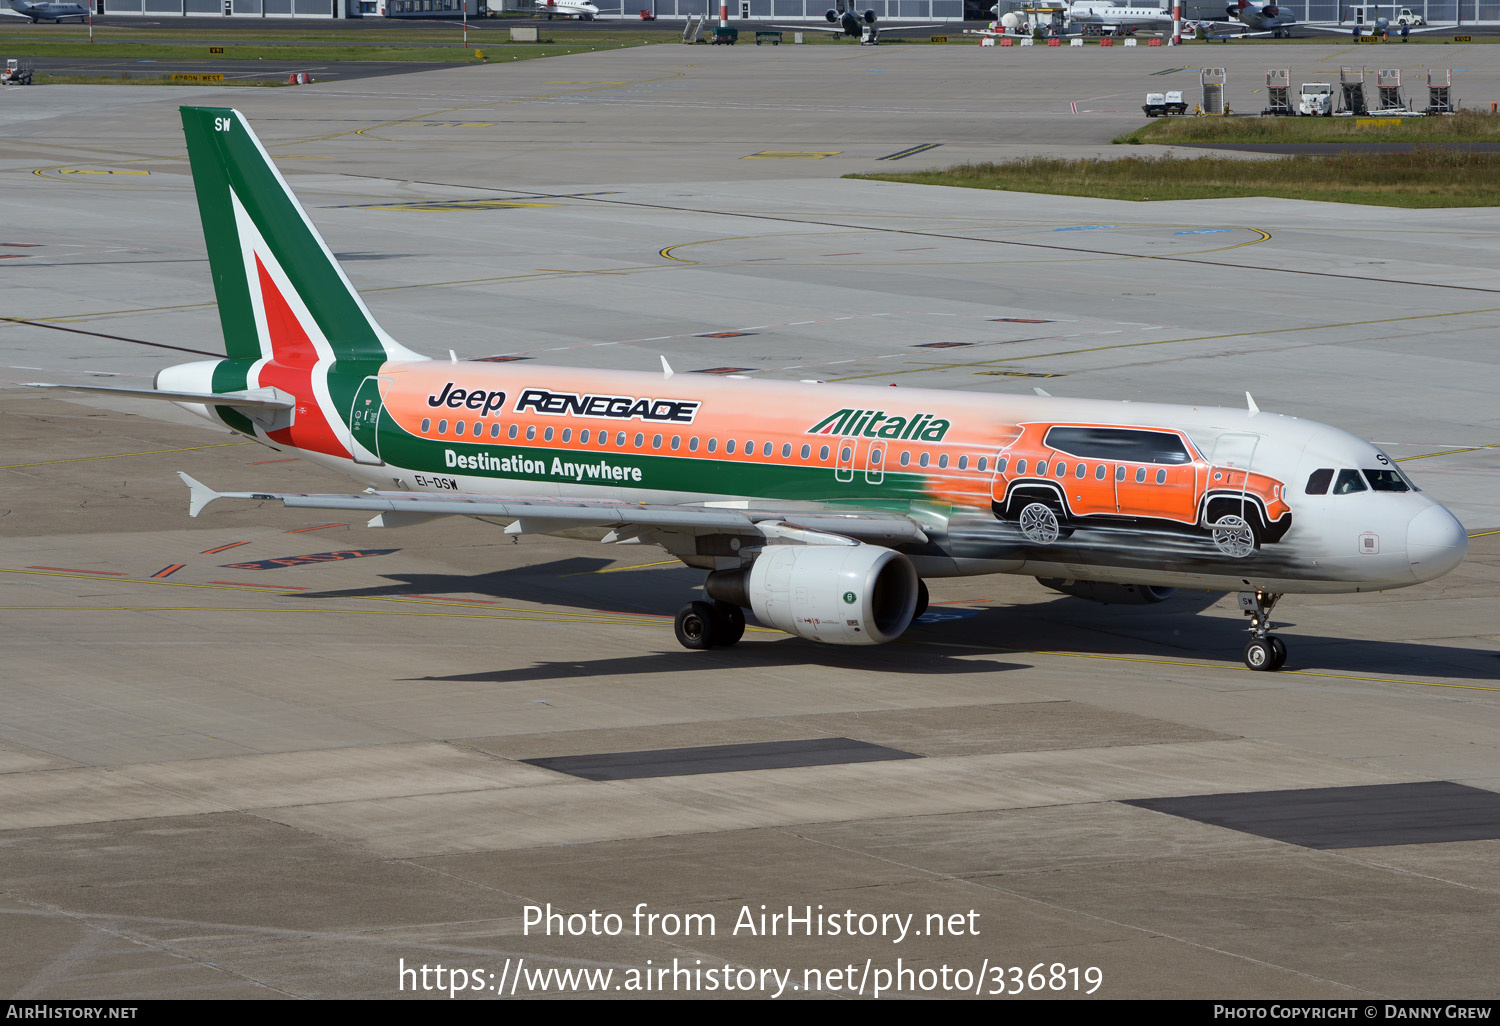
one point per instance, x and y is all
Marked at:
(1465, 126)
(452, 54)
(1427, 177)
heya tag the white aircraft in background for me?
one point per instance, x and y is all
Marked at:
(1277, 22)
(48, 11)
(856, 24)
(580, 9)
(1116, 16)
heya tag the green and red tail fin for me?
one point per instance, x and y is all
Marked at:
(282, 296)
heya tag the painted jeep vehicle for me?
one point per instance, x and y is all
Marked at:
(1055, 475)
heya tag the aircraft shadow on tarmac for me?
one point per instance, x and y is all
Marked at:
(1173, 629)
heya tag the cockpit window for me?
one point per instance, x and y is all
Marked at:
(1318, 483)
(1348, 482)
(1386, 481)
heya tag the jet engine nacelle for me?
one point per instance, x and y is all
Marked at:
(834, 17)
(842, 594)
(1112, 594)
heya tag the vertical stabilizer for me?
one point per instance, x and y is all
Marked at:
(282, 296)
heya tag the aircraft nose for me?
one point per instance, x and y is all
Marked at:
(1435, 543)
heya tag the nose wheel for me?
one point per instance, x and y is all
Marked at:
(1265, 651)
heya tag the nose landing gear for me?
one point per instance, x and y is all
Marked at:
(1265, 651)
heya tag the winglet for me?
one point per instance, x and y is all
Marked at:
(199, 494)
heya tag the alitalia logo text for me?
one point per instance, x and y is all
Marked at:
(924, 427)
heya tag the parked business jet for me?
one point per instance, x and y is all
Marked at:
(54, 12)
(819, 506)
(580, 9)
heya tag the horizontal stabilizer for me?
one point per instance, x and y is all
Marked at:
(250, 399)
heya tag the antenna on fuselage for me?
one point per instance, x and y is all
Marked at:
(1250, 400)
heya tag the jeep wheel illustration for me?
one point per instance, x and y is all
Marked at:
(1038, 523)
(1234, 536)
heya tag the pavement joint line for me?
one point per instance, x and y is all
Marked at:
(1197, 338)
(1208, 665)
(122, 455)
(270, 588)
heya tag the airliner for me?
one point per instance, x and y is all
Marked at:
(54, 12)
(1118, 16)
(821, 507)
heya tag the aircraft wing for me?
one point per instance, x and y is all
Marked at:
(625, 521)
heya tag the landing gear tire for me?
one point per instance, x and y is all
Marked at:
(696, 625)
(729, 624)
(1278, 648)
(1260, 655)
(922, 599)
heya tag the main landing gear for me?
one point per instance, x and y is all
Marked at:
(709, 625)
(1265, 651)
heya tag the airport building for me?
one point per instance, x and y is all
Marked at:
(1433, 12)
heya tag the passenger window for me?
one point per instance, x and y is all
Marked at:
(567, 435)
(999, 464)
(514, 429)
(713, 444)
(906, 459)
(640, 440)
(943, 461)
(766, 451)
(845, 455)
(1140, 475)
(1020, 466)
(1161, 477)
(1041, 468)
(1347, 483)
(693, 444)
(729, 447)
(478, 429)
(1099, 472)
(1119, 473)
(823, 453)
(530, 432)
(1062, 469)
(426, 424)
(1385, 481)
(1318, 483)
(749, 449)
(442, 427)
(676, 441)
(656, 441)
(547, 435)
(875, 455)
(583, 436)
(786, 450)
(922, 462)
(806, 451)
(494, 430)
(963, 463)
(620, 439)
(458, 428)
(982, 461)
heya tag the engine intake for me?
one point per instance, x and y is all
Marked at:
(1110, 594)
(840, 594)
